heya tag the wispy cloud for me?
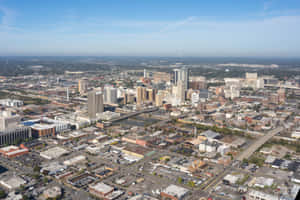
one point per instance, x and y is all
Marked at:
(267, 5)
(8, 19)
(275, 32)
(177, 24)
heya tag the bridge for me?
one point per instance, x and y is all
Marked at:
(132, 114)
(292, 87)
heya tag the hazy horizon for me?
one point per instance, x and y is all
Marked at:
(250, 28)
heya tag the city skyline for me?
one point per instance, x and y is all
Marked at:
(140, 28)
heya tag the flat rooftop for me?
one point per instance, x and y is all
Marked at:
(176, 191)
(102, 187)
(54, 152)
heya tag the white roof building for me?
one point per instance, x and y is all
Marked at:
(74, 160)
(53, 167)
(231, 179)
(12, 182)
(263, 182)
(53, 153)
(52, 192)
(257, 195)
(102, 190)
(296, 134)
(270, 159)
(175, 191)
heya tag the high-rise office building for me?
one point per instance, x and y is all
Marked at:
(141, 95)
(110, 95)
(181, 75)
(197, 82)
(95, 103)
(251, 80)
(128, 98)
(159, 98)
(82, 86)
(151, 95)
(232, 91)
(178, 92)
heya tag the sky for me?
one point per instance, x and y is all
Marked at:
(200, 28)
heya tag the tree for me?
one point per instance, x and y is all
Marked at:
(36, 176)
(2, 194)
(257, 160)
(179, 180)
(45, 180)
(287, 156)
(191, 183)
(22, 188)
(25, 197)
(36, 168)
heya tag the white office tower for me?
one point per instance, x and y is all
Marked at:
(195, 98)
(95, 103)
(251, 80)
(260, 83)
(8, 120)
(181, 75)
(121, 92)
(178, 93)
(145, 73)
(110, 95)
(232, 87)
(232, 92)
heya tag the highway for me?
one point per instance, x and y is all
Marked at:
(257, 144)
(244, 155)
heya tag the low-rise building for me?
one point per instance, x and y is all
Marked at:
(137, 151)
(43, 130)
(296, 134)
(258, 195)
(11, 102)
(13, 182)
(296, 178)
(211, 135)
(82, 180)
(207, 146)
(75, 160)
(53, 153)
(262, 182)
(53, 192)
(104, 191)
(13, 151)
(230, 179)
(53, 168)
(174, 192)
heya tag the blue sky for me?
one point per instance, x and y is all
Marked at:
(264, 28)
